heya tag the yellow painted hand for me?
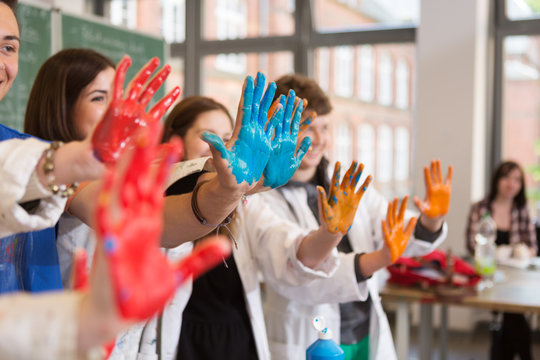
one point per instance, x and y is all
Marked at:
(395, 237)
(338, 210)
(437, 201)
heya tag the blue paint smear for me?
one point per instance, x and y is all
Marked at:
(283, 161)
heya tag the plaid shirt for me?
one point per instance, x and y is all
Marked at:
(521, 228)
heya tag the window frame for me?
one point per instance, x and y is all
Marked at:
(503, 27)
(301, 43)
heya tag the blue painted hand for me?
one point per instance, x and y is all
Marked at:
(250, 147)
(283, 161)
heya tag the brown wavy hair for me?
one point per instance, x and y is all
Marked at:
(58, 85)
(183, 115)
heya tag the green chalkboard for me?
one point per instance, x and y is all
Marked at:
(36, 47)
(113, 42)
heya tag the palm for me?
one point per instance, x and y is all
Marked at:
(395, 236)
(283, 161)
(125, 115)
(339, 210)
(249, 149)
(130, 224)
(438, 191)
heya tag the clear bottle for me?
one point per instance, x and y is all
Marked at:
(484, 253)
(324, 348)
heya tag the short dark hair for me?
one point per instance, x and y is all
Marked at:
(12, 5)
(305, 88)
(183, 115)
(502, 170)
(58, 84)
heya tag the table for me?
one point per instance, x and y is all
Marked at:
(519, 292)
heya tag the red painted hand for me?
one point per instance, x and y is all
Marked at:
(395, 237)
(129, 223)
(437, 201)
(125, 115)
(339, 209)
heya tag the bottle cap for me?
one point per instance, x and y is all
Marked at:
(320, 326)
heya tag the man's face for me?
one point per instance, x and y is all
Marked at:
(9, 49)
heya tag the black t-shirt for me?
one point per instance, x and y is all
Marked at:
(215, 322)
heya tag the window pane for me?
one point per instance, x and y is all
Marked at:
(402, 153)
(522, 9)
(365, 146)
(165, 18)
(521, 104)
(239, 19)
(375, 90)
(223, 74)
(176, 77)
(343, 145)
(342, 15)
(384, 153)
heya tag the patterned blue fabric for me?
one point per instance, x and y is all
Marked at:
(28, 261)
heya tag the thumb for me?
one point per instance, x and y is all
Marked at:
(217, 147)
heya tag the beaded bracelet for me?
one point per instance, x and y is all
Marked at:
(48, 168)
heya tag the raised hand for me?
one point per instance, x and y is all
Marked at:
(395, 237)
(437, 201)
(304, 125)
(247, 152)
(339, 209)
(283, 161)
(125, 115)
(129, 225)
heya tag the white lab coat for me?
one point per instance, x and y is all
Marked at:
(19, 183)
(289, 312)
(267, 244)
(24, 317)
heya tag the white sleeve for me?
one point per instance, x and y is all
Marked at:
(18, 159)
(39, 326)
(341, 287)
(274, 243)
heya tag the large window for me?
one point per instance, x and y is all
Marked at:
(361, 52)
(517, 95)
(361, 90)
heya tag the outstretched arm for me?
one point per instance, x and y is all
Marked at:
(336, 215)
(239, 165)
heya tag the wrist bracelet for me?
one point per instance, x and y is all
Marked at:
(48, 168)
(197, 211)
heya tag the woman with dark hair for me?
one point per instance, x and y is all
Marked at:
(507, 205)
(70, 95)
(191, 117)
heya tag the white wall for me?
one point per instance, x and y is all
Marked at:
(452, 45)
(451, 106)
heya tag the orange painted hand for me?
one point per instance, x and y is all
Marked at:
(437, 201)
(338, 210)
(395, 238)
